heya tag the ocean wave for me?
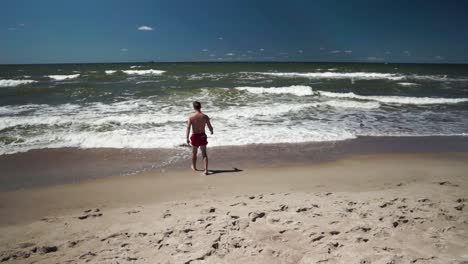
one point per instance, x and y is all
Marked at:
(163, 137)
(255, 112)
(12, 83)
(152, 81)
(299, 90)
(361, 76)
(110, 71)
(202, 76)
(351, 104)
(63, 77)
(89, 116)
(144, 72)
(441, 78)
(396, 99)
(407, 84)
(337, 75)
(145, 123)
(18, 109)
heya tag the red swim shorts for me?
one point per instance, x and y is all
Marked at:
(199, 139)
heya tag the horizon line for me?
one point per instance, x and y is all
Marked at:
(261, 61)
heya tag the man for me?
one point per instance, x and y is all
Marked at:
(197, 121)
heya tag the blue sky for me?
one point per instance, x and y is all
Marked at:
(65, 31)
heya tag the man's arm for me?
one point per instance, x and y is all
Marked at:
(209, 125)
(189, 125)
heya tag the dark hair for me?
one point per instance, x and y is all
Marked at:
(196, 105)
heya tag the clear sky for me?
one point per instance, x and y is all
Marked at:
(63, 31)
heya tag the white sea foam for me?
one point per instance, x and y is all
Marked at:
(93, 114)
(332, 74)
(133, 67)
(110, 71)
(164, 136)
(63, 77)
(270, 111)
(152, 81)
(442, 78)
(143, 123)
(17, 109)
(195, 77)
(337, 75)
(407, 84)
(202, 76)
(11, 83)
(157, 123)
(351, 104)
(144, 72)
(396, 99)
(299, 90)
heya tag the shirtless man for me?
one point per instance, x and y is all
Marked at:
(197, 122)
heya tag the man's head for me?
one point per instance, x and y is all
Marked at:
(196, 105)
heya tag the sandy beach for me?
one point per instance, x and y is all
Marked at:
(326, 132)
(367, 208)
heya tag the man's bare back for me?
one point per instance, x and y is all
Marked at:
(197, 122)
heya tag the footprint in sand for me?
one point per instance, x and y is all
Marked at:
(208, 210)
(132, 212)
(282, 208)
(166, 214)
(255, 215)
(447, 183)
(90, 213)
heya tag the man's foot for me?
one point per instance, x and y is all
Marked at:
(205, 172)
(193, 168)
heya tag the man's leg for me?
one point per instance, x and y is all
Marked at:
(194, 157)
(205, 158)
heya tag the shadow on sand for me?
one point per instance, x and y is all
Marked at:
(211, 172)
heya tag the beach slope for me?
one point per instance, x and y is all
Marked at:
(386, 208)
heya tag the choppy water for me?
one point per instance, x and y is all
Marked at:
(146, 105)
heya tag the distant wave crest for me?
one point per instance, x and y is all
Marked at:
(12, 83)
(362, 76)
(144, 72)
(351, 104)
(396, 99)
(337, 75)
(63, 77)
(299, 90)
(407, 84)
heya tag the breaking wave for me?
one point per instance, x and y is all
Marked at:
(299, 90)
(396, 99)
(337, 75)
(361, 76)
(63, 77)
(12, 83)
(144, 72)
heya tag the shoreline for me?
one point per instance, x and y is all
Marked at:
(47, 167)
(176, 184)
(372, 207)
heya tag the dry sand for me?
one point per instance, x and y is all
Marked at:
(407, 208)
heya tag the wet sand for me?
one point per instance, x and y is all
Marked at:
(356, 208)
(70, 165)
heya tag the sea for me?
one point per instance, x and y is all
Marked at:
(146, 105)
